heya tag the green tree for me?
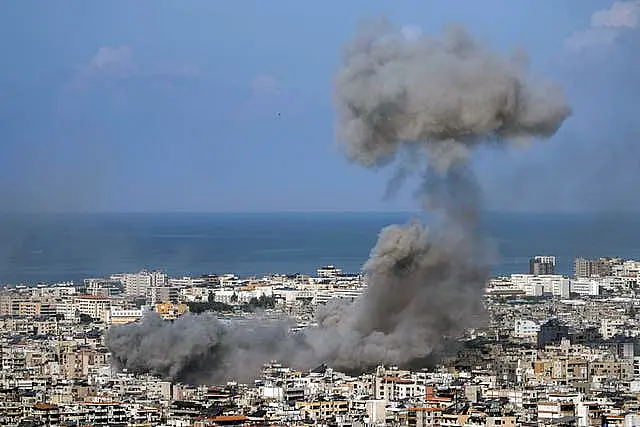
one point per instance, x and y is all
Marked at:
(85, 319)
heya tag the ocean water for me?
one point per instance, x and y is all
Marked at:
(53, 248)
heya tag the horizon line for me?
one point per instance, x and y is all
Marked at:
(313, 211)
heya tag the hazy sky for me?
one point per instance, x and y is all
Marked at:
(226, 105)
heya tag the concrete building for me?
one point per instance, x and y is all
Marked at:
(121, 316)
(138, 284)
(525, 329)
(601, 267)
(585, 287)
(542, 265)
(159, 294)
(93, 306)
(552, 332)
(103, 287)
(58, 371)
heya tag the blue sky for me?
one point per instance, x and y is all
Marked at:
(226, 105)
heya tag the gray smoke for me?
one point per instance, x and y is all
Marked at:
(429, 102)
(199, 347)
(446, 94)
(421, 289)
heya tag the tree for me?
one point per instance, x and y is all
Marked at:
(200, 307)
(262, 302)
(86, 319)
(266, 302)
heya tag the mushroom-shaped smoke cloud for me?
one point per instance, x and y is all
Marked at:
(444, 96)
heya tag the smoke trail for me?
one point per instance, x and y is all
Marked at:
(443, 97)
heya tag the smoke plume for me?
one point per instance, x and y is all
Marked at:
(446, 94)
(198, 348)
(421, 289)
(430, 102)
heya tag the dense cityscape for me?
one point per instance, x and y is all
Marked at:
(555, 351)
(126, 127)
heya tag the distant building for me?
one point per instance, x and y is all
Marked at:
(170, 311)
(138, 284)
(602, 267)
(121, 316)
(103, 287)
(329, 271)
(552, 332)
(609, 328)
(542, 265)
(586, 267)
(93, 306)
(538, 285)
(187, 282)
(585, 287)
(524, 328)
(159, 294)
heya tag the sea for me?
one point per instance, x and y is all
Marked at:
(55, 248)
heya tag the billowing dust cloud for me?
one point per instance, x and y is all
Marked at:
(425, 102)
(446, 94)
(199, 348)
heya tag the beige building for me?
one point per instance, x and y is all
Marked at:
(93, 306)
(323, 409)
(170, 311)
(121, 316)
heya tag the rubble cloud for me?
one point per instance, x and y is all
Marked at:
(436, 99)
